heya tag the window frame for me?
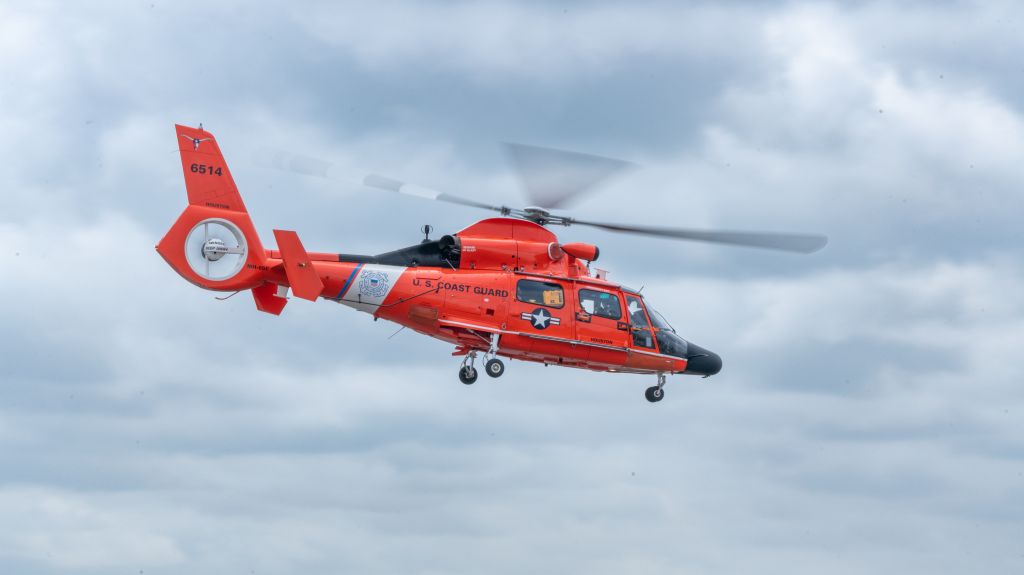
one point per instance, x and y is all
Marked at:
(643, 311)
(579, 300)
(560, 287)
(635, 329)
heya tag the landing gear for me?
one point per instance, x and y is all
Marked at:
(494, 367)
(655, 393)
(467, 374)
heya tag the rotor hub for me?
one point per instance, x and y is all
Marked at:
(214, 249)
(536, 215)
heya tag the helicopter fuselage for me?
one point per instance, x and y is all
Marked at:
(503, 286)
(509, 284)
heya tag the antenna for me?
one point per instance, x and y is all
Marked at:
(426, 229)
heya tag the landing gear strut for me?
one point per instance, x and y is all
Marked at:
(467, 373)
(654, 394)
(494, 367)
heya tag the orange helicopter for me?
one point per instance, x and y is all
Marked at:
(502, 287)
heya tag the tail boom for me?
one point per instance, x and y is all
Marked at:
(214, 245)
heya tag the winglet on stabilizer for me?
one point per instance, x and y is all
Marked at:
(270, 298)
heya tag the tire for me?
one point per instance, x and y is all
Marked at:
(494, 367)
(468, 375)
(654, 394)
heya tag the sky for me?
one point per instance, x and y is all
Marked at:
(868, 418)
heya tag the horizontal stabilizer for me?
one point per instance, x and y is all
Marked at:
(302, 276)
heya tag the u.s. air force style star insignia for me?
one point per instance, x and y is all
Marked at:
(540, 318)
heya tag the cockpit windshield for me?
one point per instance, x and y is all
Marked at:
(669, 342)
(659, 320)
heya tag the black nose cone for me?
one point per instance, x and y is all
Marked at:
(700, 361)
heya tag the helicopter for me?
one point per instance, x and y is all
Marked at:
(504, 287)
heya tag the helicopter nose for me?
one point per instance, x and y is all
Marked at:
(700, 361)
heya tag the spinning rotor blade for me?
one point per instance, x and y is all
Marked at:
(553, 178)
(295, 163)
(309, 166)
(801, 243)
(400, 187)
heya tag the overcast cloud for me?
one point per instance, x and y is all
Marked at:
(867, 419)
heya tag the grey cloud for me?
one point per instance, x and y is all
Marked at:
(867, 418)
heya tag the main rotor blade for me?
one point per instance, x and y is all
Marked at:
(800, 243)
(310, 166)
(400, 187)
(553, 178)
(285, 161)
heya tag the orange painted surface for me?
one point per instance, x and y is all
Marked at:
(298, 268)
(514, 279)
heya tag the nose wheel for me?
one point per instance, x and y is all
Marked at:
(655, 393)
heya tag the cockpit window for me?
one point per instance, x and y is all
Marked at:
(659, 321)
(671, 344)
(601, 304)
(639, 326)
(637, 317)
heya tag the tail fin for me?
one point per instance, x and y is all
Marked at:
(207, 178)
(213, 244)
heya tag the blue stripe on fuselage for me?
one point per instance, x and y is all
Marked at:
(348, 282)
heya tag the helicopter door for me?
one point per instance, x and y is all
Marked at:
(640, 328)
(600, 319)
(540, 309)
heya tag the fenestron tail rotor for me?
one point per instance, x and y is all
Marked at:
(216, 249)
(552, 179)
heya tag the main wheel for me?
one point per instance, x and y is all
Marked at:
(654, 394)
(494, 367)
(467, 375)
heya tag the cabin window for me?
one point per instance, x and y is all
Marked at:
(540, 293)
(601, 304)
